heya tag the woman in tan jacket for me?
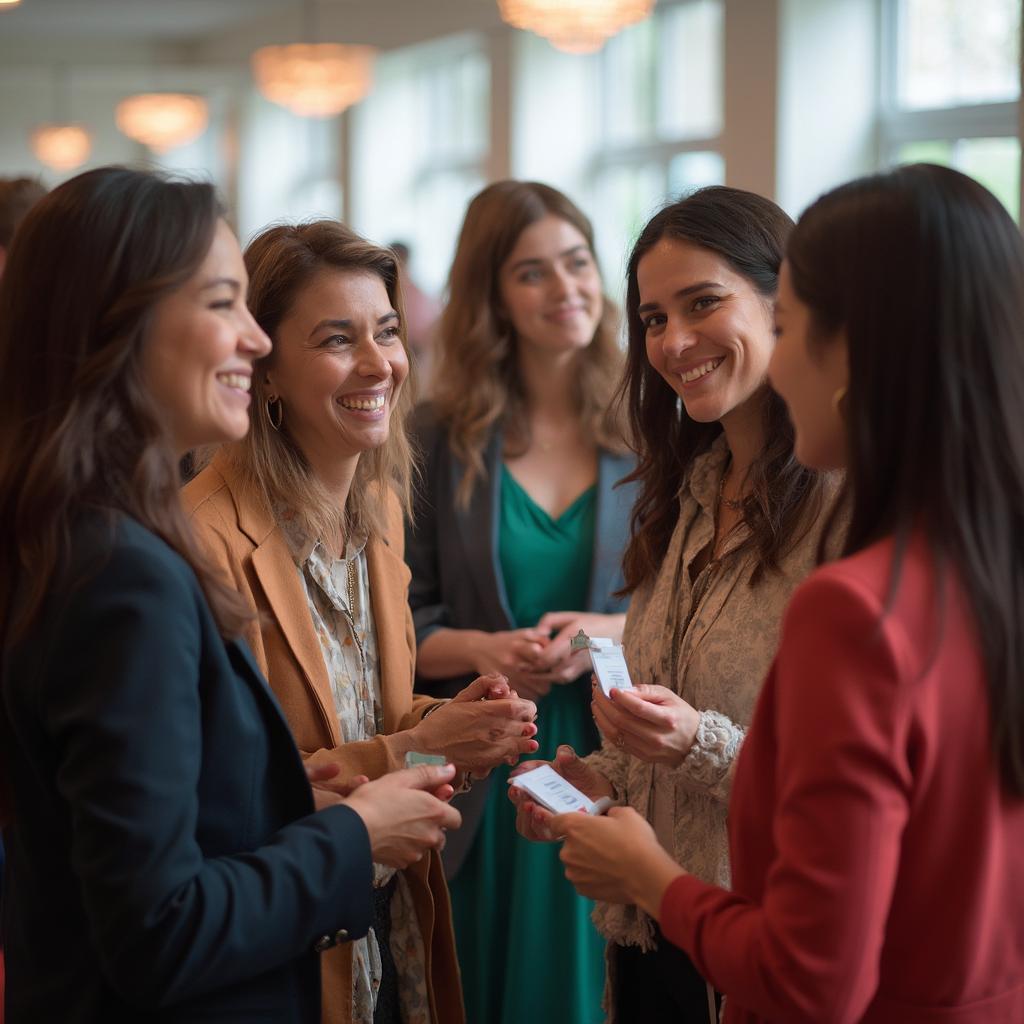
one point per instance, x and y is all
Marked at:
(305, 516)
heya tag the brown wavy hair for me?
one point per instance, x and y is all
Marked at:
(281, 261)
(477, 380)
(78, 426)
(749, 232)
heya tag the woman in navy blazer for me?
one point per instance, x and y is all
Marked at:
(166, 858)
(877, 814)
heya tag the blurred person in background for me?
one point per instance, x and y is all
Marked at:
(304, 516)
(421, 315)
(515, 545)
(17, 197)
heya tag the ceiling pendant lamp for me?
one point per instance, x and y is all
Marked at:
(61, 144)
(314, 79)
(575, 26)
(62, 147)
(162, 120)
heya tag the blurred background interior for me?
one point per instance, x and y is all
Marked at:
(785, 97)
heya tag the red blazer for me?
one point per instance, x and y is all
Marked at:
(878, 864)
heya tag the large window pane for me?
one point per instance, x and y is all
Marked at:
(624, 199)
(688, 171)
(958, 52)
(994, 162)
(690, 70)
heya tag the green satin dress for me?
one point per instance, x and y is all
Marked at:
(528, 950)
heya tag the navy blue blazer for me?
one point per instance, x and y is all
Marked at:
(452, 551)
(165, 863)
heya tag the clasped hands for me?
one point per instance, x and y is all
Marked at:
(539, 657)
(484, 725)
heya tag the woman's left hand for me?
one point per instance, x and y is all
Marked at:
(482, 726)
(650, 722)
(328, 789)
(558, 661)
(615, 857)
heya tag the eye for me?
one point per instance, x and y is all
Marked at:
(654, 320)
(390, 333)
(706, 302)
(530, 276)
(334, 341)
(581, 263)
(223, 304)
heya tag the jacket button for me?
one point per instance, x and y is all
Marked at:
(324, 942)
(341, 935)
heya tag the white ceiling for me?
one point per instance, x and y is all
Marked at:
(173, 22)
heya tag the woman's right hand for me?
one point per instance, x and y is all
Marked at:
(406, 813)
(532, 819)
(508, 652)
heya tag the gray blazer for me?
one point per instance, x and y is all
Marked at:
(452, 551)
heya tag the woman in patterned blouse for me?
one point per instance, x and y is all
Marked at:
(305, 516)
(726, 525)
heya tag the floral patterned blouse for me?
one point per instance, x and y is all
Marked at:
(711, 639)
(338, 595)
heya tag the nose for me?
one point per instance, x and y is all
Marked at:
(677, 339)
(253, 340)
(372, 361)
(563, 285)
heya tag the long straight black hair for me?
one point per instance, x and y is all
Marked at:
(923, 271)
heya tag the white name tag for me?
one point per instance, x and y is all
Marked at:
(610, 668)
(550, 790)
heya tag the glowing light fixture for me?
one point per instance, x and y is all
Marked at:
(61, 147)
(314, 79)
(575, 26)
(162, 120)
(7, 5)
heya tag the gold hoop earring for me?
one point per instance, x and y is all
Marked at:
(837, 399)
(275, 412)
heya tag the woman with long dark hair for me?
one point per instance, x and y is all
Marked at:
(160, 823)
(726, 525)
(877, 817)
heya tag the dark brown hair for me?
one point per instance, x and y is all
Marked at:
(477, 381)
(281, 262)
(17, 197)
(749, 233)
(78, 426)
(922, 270)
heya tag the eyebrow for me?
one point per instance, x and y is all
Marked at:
(218, 281)
(343, 325)
(537, 261)
(681, 294)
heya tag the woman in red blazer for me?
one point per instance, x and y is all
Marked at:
(877, 816)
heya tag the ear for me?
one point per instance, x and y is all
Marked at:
(836, 358)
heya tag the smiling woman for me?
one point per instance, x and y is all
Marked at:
(305, 517)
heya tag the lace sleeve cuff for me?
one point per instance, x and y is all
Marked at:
(708, 764)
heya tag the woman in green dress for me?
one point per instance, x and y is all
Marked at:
(515, 545)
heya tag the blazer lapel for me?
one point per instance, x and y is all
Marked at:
(389, 599)
(280, 581)
(478, 524)
(612, 525)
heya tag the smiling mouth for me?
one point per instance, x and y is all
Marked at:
(701, 371)
(374, 404)
(235, 380)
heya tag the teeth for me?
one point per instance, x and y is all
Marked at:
(235, 380)
(700, 371)
(364, 404)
